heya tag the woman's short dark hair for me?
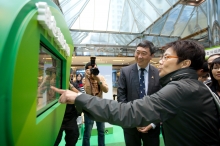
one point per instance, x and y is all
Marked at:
(147, 44)
(189, 49)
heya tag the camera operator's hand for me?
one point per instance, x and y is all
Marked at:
(97, 78)
(89, 75)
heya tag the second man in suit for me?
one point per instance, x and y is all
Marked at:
(130, 86)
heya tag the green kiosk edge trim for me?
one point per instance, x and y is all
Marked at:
(19, 52)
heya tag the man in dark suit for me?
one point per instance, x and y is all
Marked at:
(129, 90)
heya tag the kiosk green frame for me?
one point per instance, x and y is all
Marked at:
(20, 37)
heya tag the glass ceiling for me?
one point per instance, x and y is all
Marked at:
(124, 23)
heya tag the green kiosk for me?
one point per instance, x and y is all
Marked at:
(35, 53)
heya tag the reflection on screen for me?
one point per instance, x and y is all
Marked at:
(49, 75)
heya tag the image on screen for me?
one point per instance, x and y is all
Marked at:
(49, 74)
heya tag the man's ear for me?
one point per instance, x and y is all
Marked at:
(186, 63)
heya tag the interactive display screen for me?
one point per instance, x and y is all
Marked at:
(49, 74)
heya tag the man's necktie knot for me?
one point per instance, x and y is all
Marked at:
(142, 69)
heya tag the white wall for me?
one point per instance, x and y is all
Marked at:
(106, 71)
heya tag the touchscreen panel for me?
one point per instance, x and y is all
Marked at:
(49, 74)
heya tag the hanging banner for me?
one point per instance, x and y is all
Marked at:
(211, 51)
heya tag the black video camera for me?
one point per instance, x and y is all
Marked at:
(94, 71)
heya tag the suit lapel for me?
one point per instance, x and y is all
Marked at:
(135, 78)
(150, 80)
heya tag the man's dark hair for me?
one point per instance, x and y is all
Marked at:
(87, 65)
(147, 44)
(205, 67)
(189, 49)
(214, 81)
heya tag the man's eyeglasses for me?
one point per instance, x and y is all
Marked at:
(165, 58)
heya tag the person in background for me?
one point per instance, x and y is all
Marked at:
(203, 71)
(128, 90)
(204, 78)
(78, 83)
(79, 86)
(74, 88)
(69, 124)
(215, 76)
(184, 104)
(94, 85)
(211, 58)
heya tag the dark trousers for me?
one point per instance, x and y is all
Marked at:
(71, 137)
(87, 132)
(135, 138)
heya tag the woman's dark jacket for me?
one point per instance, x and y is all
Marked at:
(213, 88)
(70, 116)
(184, 105)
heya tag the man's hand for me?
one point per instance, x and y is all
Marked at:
(67, 96)
(144, 129)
